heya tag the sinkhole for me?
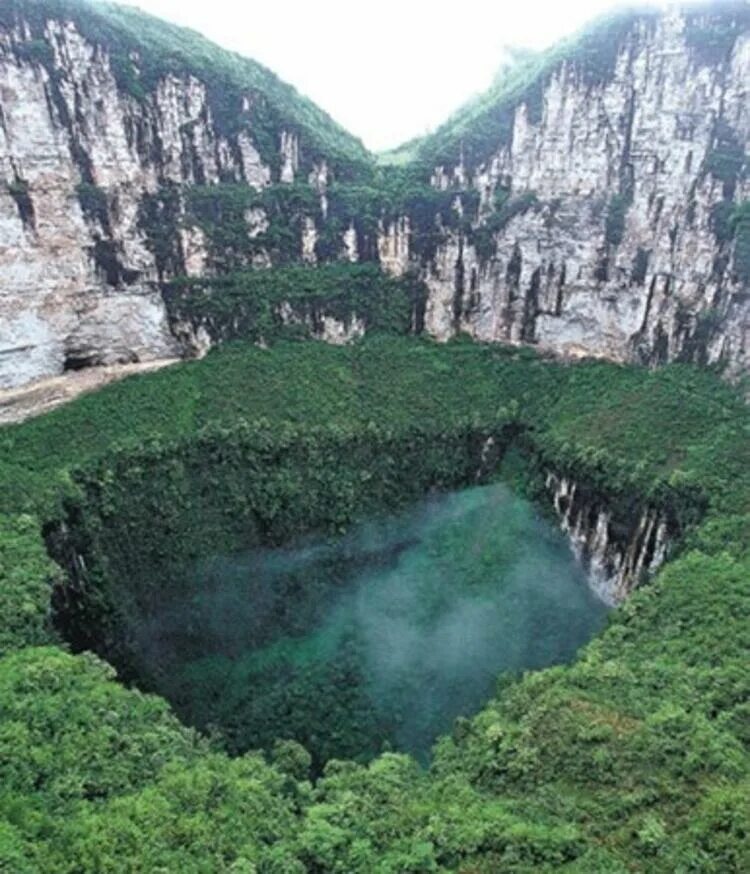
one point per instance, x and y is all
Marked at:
(375, 639)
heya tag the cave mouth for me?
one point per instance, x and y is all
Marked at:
(375, 639)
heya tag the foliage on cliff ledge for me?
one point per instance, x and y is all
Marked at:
(299, 301)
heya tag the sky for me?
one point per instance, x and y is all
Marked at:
(390, 70)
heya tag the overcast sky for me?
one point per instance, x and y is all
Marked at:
(387, 70)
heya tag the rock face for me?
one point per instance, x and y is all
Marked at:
(596, 211)
(87, 232)
(612, 236)
(618, 553)
(56, 305)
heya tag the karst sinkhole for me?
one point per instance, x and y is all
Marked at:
(375, 639)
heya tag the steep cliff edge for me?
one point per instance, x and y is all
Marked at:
(594, 202)
(107, 118)
(610, 179)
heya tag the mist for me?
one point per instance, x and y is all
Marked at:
(376, 639)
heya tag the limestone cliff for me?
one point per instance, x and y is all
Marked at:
(618, 553)
(612, 187)
(595, 201)
(113, 126)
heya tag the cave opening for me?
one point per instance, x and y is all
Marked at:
(80, 359)
(375, 638)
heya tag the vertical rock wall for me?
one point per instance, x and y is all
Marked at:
(619, 553)
(613, 234)
(82, 162)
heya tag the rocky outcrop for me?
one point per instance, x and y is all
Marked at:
(619, 553)
(95, 168)
(78, 279)
(393, 246)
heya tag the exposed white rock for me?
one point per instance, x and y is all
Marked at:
(125, 328)
(194, 250)
(289, 156)
(256, 221)
(440, 179)
(351, 252)
(326, 328)
(615, 565)
(440, 279)
(309, 239)
(255, 172)
(339, 333)
(653, 123)
(318, 177)
(57, 305)
(393, 246)
(195, 340)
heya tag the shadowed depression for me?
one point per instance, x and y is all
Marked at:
(376, 639)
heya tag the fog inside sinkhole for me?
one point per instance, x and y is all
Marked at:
(376, 639)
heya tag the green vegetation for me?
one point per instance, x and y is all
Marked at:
(721, 214)
(400, 156)
(392, 193)
(36, 51)
(730, 222)
(19, 191)
(294, 301)
(382, 635)
(26, 572)
(281, 211)
(93, 202)
(505, 209)
(727, 160)
(640, 266)
(615, 224)
(633, 758)
(713, 30)
(221, 212)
